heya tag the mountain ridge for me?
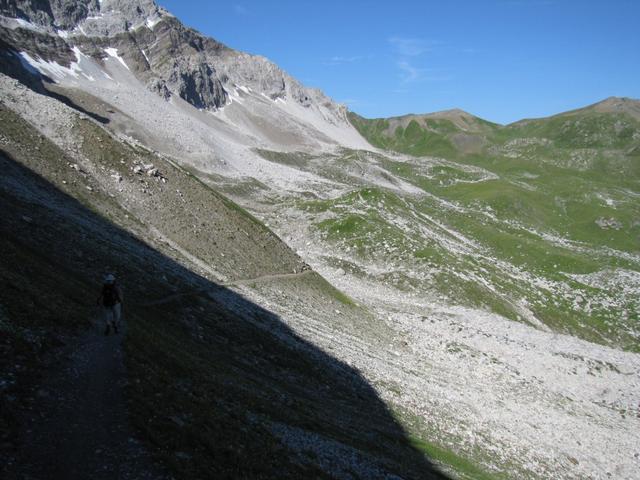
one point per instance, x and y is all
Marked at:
(612, 122)
(606, 105)
(205, 74)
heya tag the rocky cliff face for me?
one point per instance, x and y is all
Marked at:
(171, 58)
(106, 17)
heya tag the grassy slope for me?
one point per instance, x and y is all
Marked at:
(557, 176)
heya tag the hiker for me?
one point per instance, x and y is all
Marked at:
(111, 300)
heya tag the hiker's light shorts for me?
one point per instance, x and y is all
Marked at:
(111, 315)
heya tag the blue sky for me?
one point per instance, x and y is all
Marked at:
(502, 60)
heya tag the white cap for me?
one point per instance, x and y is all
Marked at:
(109, 278)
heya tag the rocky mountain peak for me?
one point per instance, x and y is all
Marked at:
(88, 17)
(626, 105)
(165, 55)
(117, 16)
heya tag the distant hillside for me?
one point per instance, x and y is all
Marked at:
(625, 105)
(604, 137)
(444, 133)
(575, 175)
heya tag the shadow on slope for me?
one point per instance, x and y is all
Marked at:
(219, 386)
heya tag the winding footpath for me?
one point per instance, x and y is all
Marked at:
(198, 291)
(80, 429)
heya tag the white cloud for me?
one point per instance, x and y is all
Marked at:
(411, 47)
(407, 52)
(409, 73)
(412, 74)
(240, 9)
(341, 60)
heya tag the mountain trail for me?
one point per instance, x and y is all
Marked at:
(78, 427)
(244, 281)
(266, 278)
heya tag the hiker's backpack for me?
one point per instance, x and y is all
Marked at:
(110, 295)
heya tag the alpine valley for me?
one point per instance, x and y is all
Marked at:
(308, 293)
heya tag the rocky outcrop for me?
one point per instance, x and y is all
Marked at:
(159, 87)
(119, 16)
(255, 72)
(61, 14)
(97, 18)
(184, 61)
(198, 86)
(168, 57)
(68, 13)
(38, 12)
(49, 47)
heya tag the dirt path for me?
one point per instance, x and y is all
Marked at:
(263, 278)
(78, 428)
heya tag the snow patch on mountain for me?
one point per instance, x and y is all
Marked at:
(113, 52)
(54, 69)
(13, 23)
